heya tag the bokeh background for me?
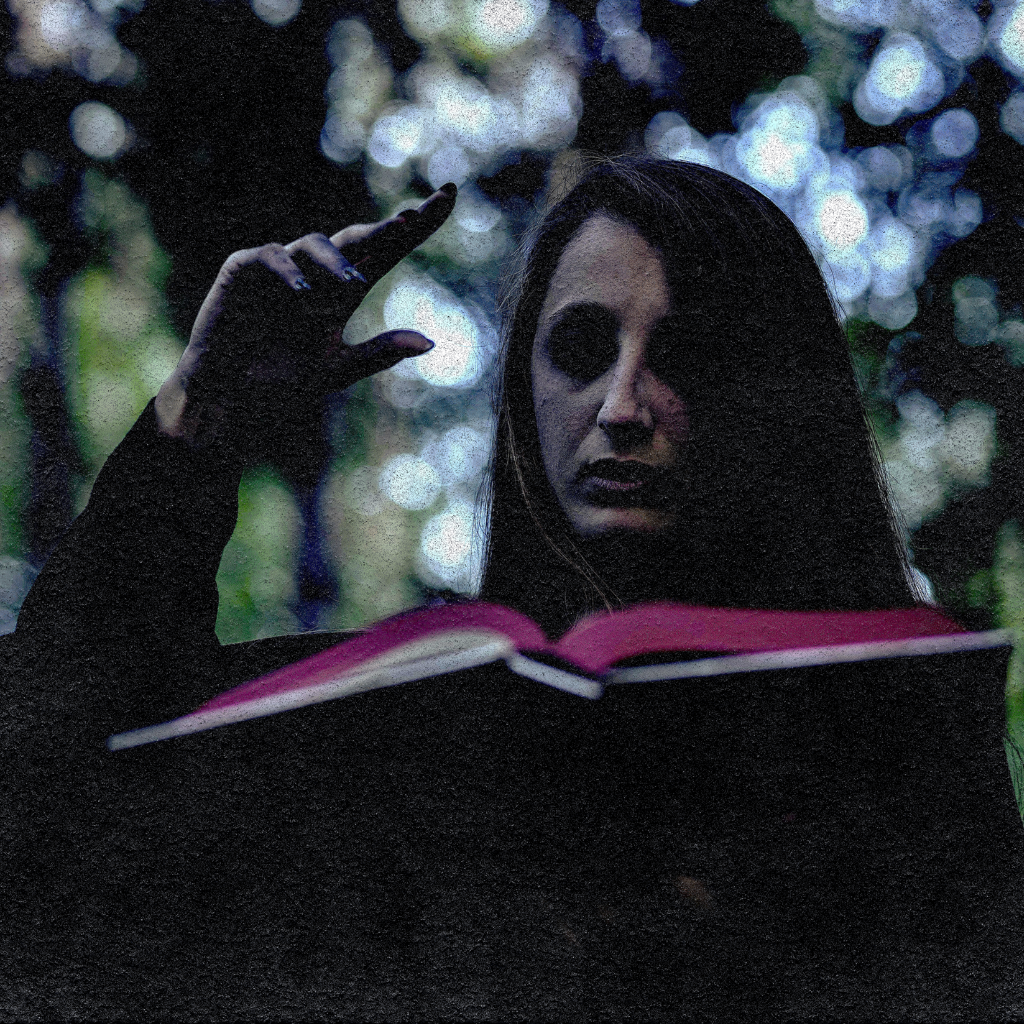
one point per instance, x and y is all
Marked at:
(144, 141)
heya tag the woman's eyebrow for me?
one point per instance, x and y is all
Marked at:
(577, 310)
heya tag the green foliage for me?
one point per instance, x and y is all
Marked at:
(836, 57)
(120, 345)
(14, 441)
(1007, 594)
(22, 255)
(256, 580)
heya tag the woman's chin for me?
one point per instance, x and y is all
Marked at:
(592, 522)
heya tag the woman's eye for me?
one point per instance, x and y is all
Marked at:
(584, 343)
(680, 354)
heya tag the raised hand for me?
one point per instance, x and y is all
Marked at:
(266, 346)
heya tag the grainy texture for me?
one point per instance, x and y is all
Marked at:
(830, 842)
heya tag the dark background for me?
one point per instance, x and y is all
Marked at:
(225, 113)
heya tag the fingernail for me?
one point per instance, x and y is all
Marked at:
(352, 272)
(301, 284)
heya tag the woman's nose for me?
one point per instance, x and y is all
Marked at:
(626, 408)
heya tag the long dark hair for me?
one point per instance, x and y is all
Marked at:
(786, 506)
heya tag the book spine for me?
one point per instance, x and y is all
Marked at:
(806, 657)
(559, 678)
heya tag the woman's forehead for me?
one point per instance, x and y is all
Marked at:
(609, 262)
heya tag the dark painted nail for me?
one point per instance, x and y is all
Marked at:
(301, 284)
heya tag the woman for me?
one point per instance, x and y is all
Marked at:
(769, 496)
(773, 498)
(678, 419)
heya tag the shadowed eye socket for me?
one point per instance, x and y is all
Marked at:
(684, 350)
(583, 342)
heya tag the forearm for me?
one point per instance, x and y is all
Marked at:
(137, 570)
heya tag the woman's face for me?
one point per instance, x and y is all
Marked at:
(612, 431)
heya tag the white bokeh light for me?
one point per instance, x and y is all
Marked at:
(959, 32)
(1010, 334)
(1011, 117)
(360, 84)
(893, 312)
(422, 305)
(894, 249)
(427, 19)
(954, 133)
(975, 313)
(841, 221)
(669, 136)
(898, 73)
(458, 455)
(851, 275)
(446, 545)
(60, 23)
(464, 109)
(934, 453)
(779, 148)
(902, 78)
(858, 14)
(503, 24)
(98, 131)
(619, 18)
(970, 443)
(914, 465)
(410, 482)
(396, 137)
(1006, 30)
(966, 213)
(550, 103)
(341, 139)
(449, 163)
(459, 124)
(475, 213)
(276, 13)
(888, 168)
(633, 54)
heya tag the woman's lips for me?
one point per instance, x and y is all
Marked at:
(621, 482)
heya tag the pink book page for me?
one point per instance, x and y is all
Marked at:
(385, 638)
(601, 640)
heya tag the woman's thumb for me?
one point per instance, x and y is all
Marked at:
(354, 362)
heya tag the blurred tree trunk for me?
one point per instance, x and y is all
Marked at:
(53, 455)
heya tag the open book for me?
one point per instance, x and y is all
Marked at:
(431, 642)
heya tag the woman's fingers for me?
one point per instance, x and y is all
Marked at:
(267, 340)
(318, 250)
(347, 364)
(375, 248)
(274, 256)
(336, 287)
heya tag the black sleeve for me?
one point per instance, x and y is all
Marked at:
(130, 592)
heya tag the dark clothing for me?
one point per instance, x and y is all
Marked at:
(824, 842)
(133, 584)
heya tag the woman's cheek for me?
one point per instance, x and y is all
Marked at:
(675, 419)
